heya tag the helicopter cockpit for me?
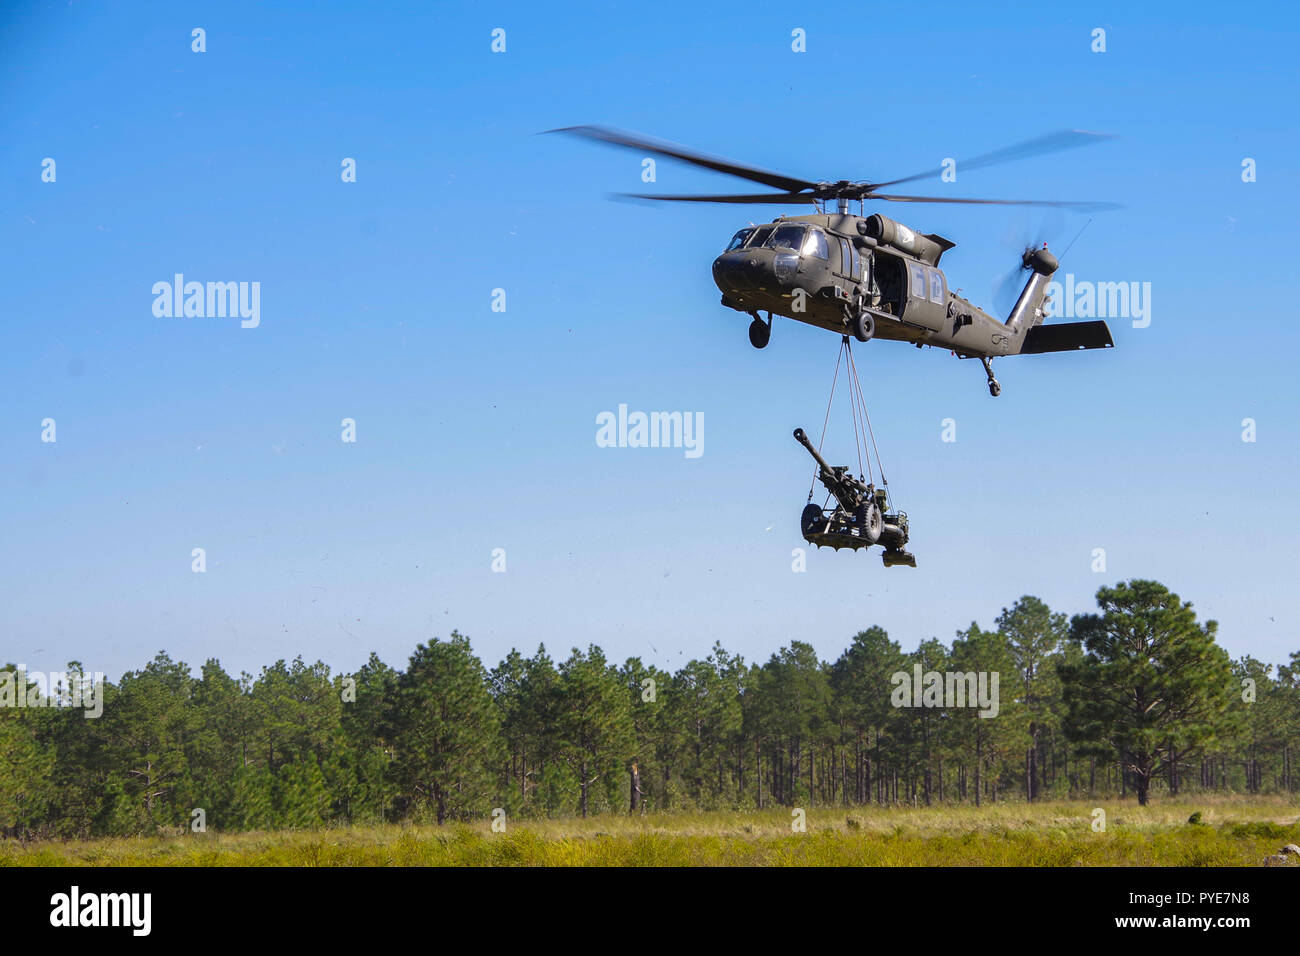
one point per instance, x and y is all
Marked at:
(739, 239)
(799, 239)
(763, 265)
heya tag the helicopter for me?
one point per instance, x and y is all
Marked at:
(873, 277)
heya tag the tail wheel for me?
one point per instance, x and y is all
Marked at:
(760, 333)
(864, 326)
(811, 520)
(870, 521)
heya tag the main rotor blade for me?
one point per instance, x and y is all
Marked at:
(673, 151)
(777, 198)
(1082, 205)
(1049, 143)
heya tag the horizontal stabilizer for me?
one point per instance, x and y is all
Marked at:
(1066, 337)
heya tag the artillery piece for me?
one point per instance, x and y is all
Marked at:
(858, 519)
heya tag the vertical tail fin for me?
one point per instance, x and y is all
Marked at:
(1028, 310)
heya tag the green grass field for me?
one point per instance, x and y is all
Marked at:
(1233, 832)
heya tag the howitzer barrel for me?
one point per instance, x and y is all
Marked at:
(802, 439)
(848, 491)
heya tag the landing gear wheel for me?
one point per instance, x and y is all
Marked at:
(870, 521)
(994, 388)
(760, 333)
(811, 520)
(863, 326)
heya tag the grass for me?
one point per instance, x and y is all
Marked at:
(1232, 832)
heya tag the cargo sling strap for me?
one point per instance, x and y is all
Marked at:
(863, 434)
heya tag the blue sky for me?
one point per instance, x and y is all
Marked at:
(476, 430)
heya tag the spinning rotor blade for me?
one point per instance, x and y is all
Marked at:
(1049, 143)
(1007, 290)
(1023, 237)
(802, 190)
(673, 151)
(1082, 205)
(755, 198)
(1028, 232)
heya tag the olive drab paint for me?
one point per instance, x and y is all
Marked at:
(871, 276)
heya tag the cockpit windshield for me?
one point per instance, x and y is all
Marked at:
(787, 237)
(739, 239)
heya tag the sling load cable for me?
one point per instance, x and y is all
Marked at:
(863, 433)
(884, 482)
(825, 421)
(859, 435)
(859, 439)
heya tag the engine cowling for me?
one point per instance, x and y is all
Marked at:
(887, 232)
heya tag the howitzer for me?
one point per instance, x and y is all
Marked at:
(858, 520)
(848, 491)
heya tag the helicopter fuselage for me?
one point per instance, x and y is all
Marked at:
(825, 269)
(870, 276)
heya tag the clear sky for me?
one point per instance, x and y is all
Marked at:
(476, 429)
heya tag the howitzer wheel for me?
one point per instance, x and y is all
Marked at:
(870, 521)
(812, 520)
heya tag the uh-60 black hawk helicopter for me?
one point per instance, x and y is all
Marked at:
(871, 276)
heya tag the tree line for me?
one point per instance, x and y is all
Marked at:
(1133, 700)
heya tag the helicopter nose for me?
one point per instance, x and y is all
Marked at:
(737, 271)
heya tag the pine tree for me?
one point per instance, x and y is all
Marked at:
(1153, 686)
(981, 738)
(147, 727)
(1034, 634)
(651, 708)
(301, 796)
(26, 766)
(594, 728)
(704, 714)
(861, 685)
(445, 730)
(362, 789)
(794, 712)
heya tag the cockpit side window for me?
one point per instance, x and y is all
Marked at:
(815, 244)
(739, 238)
(787, 237)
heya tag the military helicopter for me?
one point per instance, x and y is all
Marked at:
(871, 276)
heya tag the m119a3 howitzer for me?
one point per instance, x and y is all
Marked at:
(858, 519)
